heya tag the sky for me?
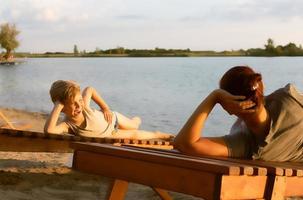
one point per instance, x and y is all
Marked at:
(58, 25)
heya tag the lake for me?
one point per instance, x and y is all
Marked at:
(162, 91)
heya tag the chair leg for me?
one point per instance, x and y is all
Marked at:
(118, 190)
(162, 193)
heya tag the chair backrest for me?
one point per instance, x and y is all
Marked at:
(33, 141)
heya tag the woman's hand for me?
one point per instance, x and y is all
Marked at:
(234, 104)
(108, 115)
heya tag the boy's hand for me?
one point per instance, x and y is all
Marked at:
(108, 115)
(234, 104)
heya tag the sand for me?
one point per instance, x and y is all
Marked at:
(48, 176)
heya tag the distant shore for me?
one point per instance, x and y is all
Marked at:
(70, 55)
(270, 50)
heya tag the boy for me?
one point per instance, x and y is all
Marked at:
(81, 119)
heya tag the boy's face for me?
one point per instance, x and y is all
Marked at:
(73, 107)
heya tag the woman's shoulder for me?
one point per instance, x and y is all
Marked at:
(284, 100)
(287, 92)
(294, 92)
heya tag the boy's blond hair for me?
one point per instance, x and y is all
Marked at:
(63, 91)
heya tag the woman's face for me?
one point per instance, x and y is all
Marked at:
(73, 108)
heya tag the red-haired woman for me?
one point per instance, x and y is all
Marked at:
(268, 128)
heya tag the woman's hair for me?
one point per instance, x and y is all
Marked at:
(64, 91)
(242, 80)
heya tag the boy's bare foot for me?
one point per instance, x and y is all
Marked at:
(165, 136)
(137, 120)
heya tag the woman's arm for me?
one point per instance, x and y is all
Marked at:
(51, 123)
(90, 93)
(189, 139)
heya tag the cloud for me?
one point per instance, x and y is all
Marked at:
(247, 11)
(131, 17)
(259, 10)
(48, 15)
(59, 24)
(40, 13)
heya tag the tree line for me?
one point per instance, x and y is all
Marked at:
(291, 49)
(133, 52)
(9, 42)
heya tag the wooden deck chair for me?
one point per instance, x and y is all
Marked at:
(168, 170)
(34, 141)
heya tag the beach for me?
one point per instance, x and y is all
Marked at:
(48, 176)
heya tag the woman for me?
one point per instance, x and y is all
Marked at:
(267, 128)
(81, 119)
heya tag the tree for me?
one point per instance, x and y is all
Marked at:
(120, 50)
(76, 51)
(291, 49)
(279, 50)
(8, 38)
(270, 44)
(98, 50)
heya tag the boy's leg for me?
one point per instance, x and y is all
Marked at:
(126, 123)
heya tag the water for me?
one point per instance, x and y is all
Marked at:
(163, 91)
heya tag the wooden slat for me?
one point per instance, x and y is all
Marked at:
(244, 169)
(261, 166)
(160, 146)
(142, 141)
(243, 187)
(32, 141)
(207, 165)
(271, 168)
(29, 144)
(299, 172)
(169, 177)
(289, 172)
(275, 168)
(133, 141)
(25, 133)
(294, 186)
(297, 167)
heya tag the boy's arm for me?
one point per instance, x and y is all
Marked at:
(90, 93)
(51, 123)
